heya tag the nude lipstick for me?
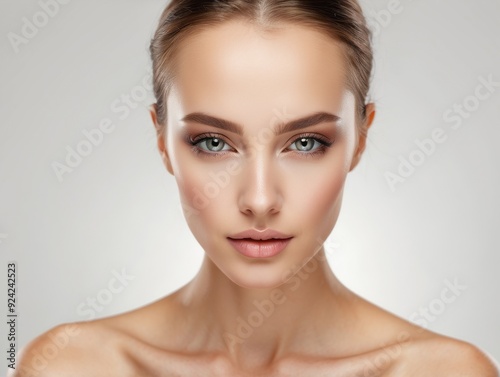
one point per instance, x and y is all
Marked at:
(260, 244)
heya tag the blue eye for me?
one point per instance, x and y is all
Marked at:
(212, 144)
(310, 145)
(306, 144)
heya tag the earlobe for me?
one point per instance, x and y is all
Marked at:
(160, 137)
(362, 134)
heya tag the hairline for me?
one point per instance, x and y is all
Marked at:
(168, 75)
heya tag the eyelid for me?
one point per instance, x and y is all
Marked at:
(211, 135)
(324, 141)
(207, 135)
(320, 138)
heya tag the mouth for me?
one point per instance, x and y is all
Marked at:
(259, 248)
(260, 235)
(263, 240)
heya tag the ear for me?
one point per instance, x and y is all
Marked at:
(362, 134)
(160, 136)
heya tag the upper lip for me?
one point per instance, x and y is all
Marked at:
(254, 234)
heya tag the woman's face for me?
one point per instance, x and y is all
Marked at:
(254, 175)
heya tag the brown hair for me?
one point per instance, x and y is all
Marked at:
(342, 20)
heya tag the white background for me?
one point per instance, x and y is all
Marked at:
(119, 208)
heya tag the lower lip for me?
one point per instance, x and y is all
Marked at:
(259, 249)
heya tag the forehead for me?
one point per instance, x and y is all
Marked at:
(243, 68)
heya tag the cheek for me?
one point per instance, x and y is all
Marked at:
(314, 190)
(204, 189)
(317, 195)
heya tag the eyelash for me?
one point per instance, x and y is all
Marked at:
(324, 145)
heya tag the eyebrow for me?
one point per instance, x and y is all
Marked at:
(306, 121)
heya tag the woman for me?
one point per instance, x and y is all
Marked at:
(261, 113)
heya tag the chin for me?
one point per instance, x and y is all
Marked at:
(257, 275)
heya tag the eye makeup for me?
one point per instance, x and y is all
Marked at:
(199, 145)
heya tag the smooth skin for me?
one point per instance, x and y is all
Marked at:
(308, 323)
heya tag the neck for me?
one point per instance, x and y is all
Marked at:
(259, 326)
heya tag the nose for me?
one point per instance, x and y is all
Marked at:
(260, 190)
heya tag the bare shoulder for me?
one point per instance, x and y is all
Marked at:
(76, 349)
(101, 347)
(444, 356)
(415, 351)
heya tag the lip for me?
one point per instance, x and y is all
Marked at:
(259, 249)
(260, 244)
(257, 235)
